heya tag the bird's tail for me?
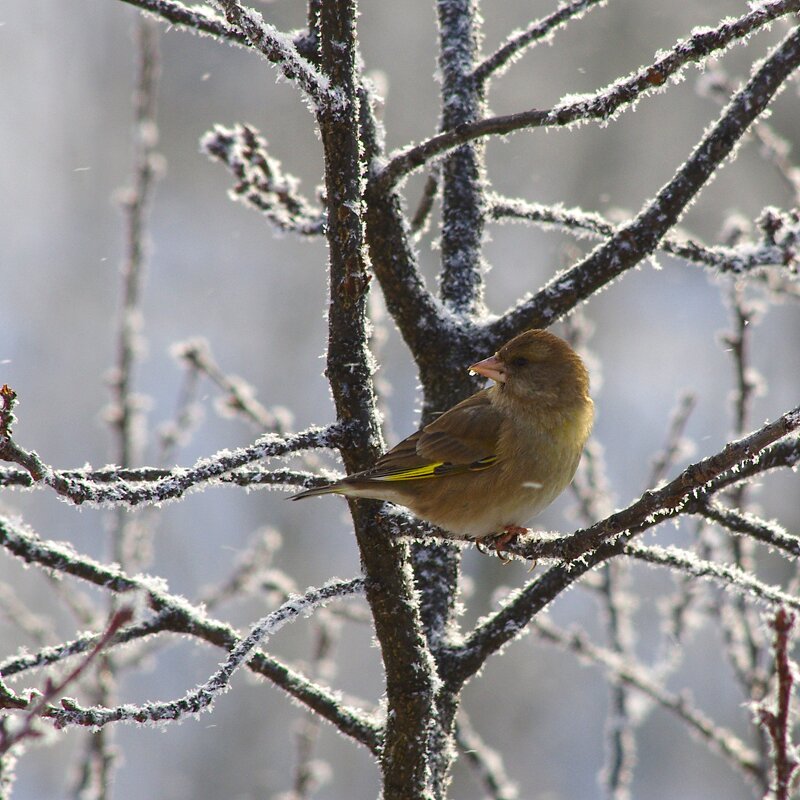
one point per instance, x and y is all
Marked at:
(331, 488)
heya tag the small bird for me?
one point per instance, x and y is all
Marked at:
(492, 462)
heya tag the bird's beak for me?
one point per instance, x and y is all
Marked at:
(491, 367)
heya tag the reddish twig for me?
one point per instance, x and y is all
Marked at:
(778, 721)
(27, 728)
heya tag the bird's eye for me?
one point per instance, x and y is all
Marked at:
(519, 361)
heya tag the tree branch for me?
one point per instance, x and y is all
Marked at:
(407, 662)
(770, 533)
(540, 31)
(717, 738)
(631, 243)
(731, 577)
(204, 696)
(601, 105)
(586, 549)
(777, 246)
(778, 722)
(261, 182)
(164, 485)
(180, 617)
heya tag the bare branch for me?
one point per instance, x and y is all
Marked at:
(777, 247)
(540, 31)
(200, 19)
(204, 696)
(240, 396)
(408, 664)
(605, 539)
(601, 105)
(421, 216)
(278, 48)
(658, 504)
(170, 484)
(487, 764)
(773, 148)
(180, 617)
(631, 243)
(39, 707)
(730, 577)
(626, 671)
(778, 722)
(674, 447)
(261, 182)
(125, 410)
(770, 533)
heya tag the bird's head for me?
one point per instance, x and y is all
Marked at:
(536, 365)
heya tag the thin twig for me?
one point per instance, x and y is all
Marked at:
(776, 248)
(674, 447)
(778, 721)
(169, 484)
(627, 671)
(601, 105)
(539, 31)
(40, 707)
(486, 763)
(180, 617)
(639, 238)
(204, 696)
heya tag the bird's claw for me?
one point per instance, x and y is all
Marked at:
(500, 540)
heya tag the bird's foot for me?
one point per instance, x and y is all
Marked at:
(500, 540)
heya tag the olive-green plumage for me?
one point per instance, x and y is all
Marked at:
(498, 458)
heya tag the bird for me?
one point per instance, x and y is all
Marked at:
(483, 469)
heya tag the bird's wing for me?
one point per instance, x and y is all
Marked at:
(463, 439)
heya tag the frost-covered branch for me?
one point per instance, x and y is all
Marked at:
(658, 504)
(279, 48)
(620, 756)
(178, 616)
(169, 484)
(587, 548)
(197, 18)
(125, 409)
(730, 577)
(626, 671)
(261, 182)
(408, 665)
(45, 656)
(240, 477)
(246, 27)
(637, 239)
(768, 532)
(39, 706)
(413, 307)
(541, 30)
(773, 148)
(601, 105)
(777, 246)
(239, 396)
(71, 713)
(462, 269)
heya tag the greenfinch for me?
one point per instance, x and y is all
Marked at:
(482, 470)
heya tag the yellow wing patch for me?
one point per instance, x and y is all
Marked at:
(436, 469)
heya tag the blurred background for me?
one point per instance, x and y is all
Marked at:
(217, 270)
